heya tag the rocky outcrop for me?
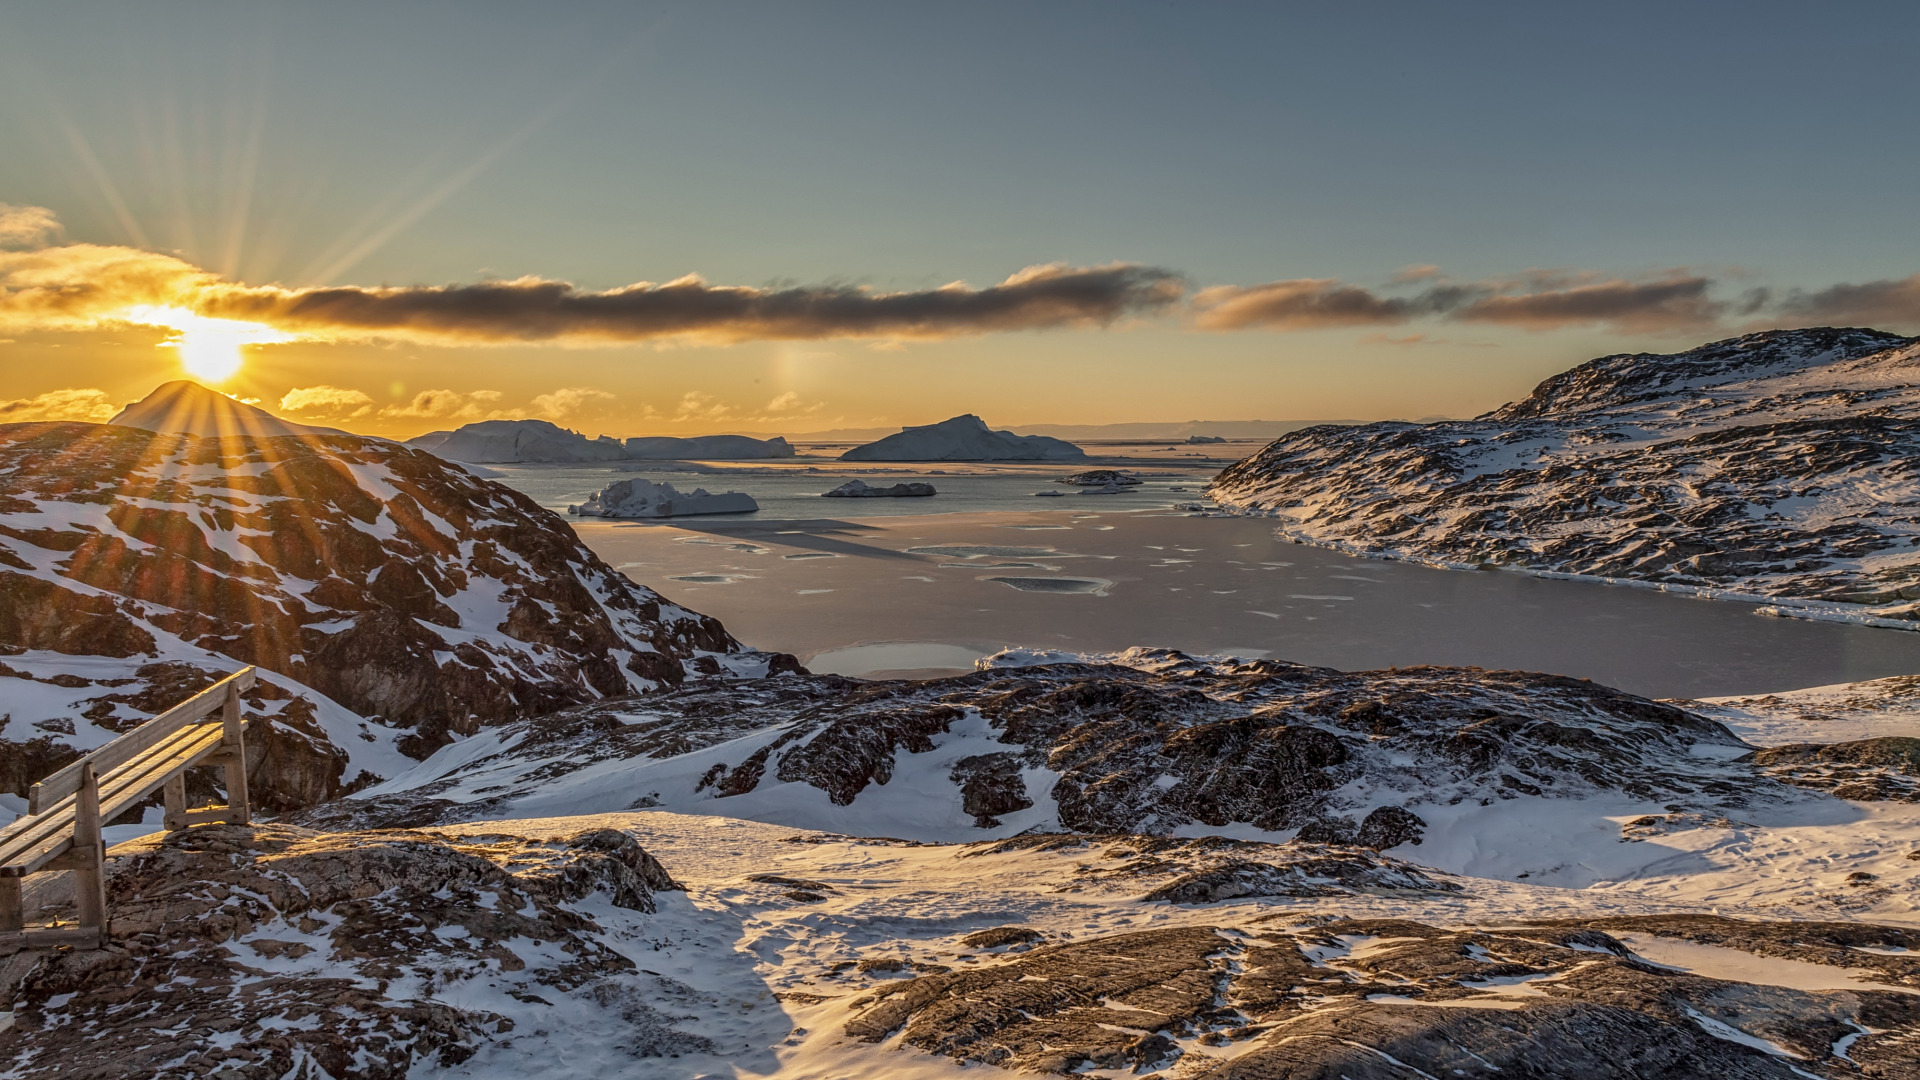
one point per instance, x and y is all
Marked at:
(860, 489)
(1099, 478)
(271, 951)
(1380, 999)
(395, 599)
(1866, 770)
(1778, 464)
(1167, 743)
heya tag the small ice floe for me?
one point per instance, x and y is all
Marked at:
(638, 498)
(1100, 478)
(1107, 489)
(1049, 494)
(860, 489)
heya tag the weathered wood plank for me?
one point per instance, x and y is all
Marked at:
(65, 781)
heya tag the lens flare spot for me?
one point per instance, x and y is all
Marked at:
(209, 349)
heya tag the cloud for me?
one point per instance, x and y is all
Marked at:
(699, 406)
(92, 406)
(1308, 304)
(566, 401)
(27, 226)
(535, 309)
(1894, 301)
(1671, 302)
(787, 402)
(447, 405)
(1536, 300)
(331, 400)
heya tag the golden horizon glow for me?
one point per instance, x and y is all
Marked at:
(209, 349)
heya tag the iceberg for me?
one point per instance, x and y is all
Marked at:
(860, 489)
(638, 498)
(964, 438)
(540, 441)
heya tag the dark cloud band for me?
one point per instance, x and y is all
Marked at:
(536, 310)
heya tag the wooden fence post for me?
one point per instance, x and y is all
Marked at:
(173, 795)
(235, 747)
(13, 917)
(90, 869)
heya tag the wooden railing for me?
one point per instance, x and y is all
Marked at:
(61, 829)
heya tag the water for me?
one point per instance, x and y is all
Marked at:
(890, 592)
(791, 491)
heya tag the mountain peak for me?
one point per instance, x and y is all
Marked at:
(188, 408)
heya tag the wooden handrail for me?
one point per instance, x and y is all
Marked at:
(127, 747)
(61, 829)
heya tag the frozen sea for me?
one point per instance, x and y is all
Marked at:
(922, 587)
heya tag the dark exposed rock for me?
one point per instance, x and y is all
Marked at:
(1389, 827)
(990, 785)
(1001, 935)
(1297, 997)
(1868, 770)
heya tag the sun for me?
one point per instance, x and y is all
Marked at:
(209, 349)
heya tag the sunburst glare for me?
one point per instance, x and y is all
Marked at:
(209, 349)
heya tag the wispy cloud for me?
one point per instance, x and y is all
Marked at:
(569, 401)
(447, 405)
(89, 405)
(327, 400)
(1893, 302)
(27, 226)
(1536, 300)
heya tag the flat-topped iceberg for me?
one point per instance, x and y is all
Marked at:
(512, 441)
(963, 438)
(860, 489)
(638, 498)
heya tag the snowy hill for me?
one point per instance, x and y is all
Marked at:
(963, 438)
(1779, 465)
(397, 600)
(187, 408)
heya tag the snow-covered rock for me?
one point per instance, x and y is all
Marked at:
(187, 408)
(508, 441)
(641, 498)
(709, 448)
(860, 489)
(963, 438)
(395, 601)
(1779, 464)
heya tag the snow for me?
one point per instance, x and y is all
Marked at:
(640, 498)
(1735, 965)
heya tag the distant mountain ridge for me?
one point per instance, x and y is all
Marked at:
(507, 441)
(1777, 464)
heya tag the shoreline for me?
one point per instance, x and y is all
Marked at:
(1783, 607)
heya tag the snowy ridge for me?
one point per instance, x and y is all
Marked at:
(1777, 466)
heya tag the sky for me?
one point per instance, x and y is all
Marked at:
(780, 218)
